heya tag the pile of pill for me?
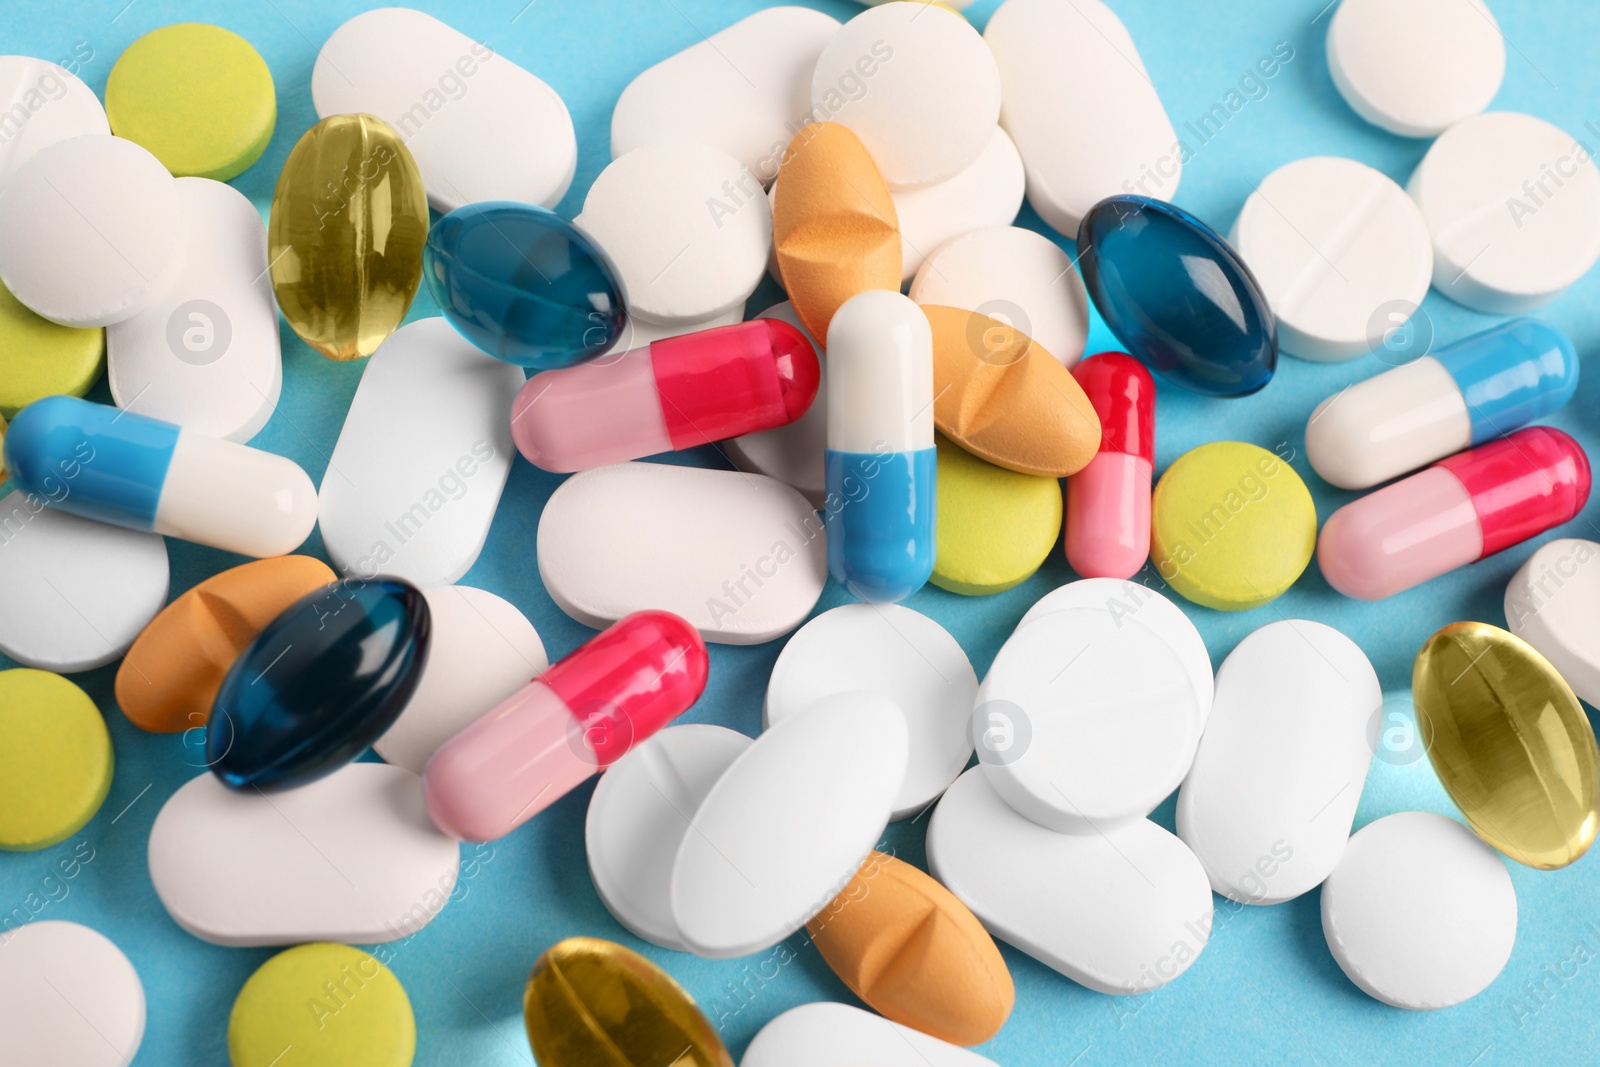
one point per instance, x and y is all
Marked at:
(922, 409)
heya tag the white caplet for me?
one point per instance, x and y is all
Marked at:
(825, 1034)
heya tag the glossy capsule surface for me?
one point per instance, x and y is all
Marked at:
(1107, 531)
(1510, 743)
(349, 220)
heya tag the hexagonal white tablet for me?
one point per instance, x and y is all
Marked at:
(1337, 247)
(792, 453)
(1513, 204)
(68, 998)
(1553, 603)
(916, 84)
(47, 104)
(825, 1034)
(988, 193)
(1419, 67)
(898, 653)
(1420, 913)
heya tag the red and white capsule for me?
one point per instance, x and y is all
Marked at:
(1108, 502)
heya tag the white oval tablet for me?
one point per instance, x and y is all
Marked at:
(480, 127)
(1419, 67)
(825, 1034)
(898, 653)
(1420, 913)
(351, 858)
(416, 475)
(687, 227)
(916, 84)
(745, 90)
(1268, 805)
(1124, 911)
(639, 815)
(74, 593)
(788, 824)
(1081, 108)
(1335, 245)
(1016, 276)
(205, 354)
(482, 650)
(741, 556)
(68, 998)
(792, 453)
(988, 193)
(48, 104)
(1086, 720)
(93, 228)
(1553, 603)
(1513, 204)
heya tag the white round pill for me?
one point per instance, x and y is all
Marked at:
(1416, 67)
(917, 84)
(1016, 276)
(1337, 248)
(1420, 913)
(47, 104)
(792, 453)
(1513, 204)
(1553, 603)
(68, 998)
(988, 193)
(92, 226)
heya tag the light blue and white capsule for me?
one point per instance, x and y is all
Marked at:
(1479, 388)
(880, 458)
(129, 470)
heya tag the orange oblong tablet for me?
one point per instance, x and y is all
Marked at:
(1001, 396)
(834, 227)
(914, 953)
(171, 673)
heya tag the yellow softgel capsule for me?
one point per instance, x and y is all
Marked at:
(995, 527)
(38, 358)
(55, 759)
(1232, 526)
(593, 1003)
(197, 96)
(322, 1005)
(349, 219)
(1510, 743)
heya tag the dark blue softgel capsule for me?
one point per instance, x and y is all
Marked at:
(1178, 296)
(323, 681)
(524, 284)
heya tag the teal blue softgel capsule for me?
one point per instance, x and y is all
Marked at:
(524, 285)
(319, 684)
(1178, 296)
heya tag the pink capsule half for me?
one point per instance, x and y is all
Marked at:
(1108, 502)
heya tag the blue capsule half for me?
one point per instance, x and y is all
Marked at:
(881, 521)
(1511, 374)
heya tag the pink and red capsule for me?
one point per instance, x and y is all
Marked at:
(1108, 502)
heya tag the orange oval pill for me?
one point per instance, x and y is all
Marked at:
(834, 227)
(907, 947)
(1002, 397)
(171, 673)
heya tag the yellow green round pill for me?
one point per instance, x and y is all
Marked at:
(55, 759)
(39, 358)
(330, 1005)
(995, 526)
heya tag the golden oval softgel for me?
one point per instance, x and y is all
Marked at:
(1510, 743)
(349, 221)
(593, 1003)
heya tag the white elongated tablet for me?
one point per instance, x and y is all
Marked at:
(791, 453)
(1086, 720)
(482, 650)
(1125, 911)
(351, 857)
(1336, 246)
(741, 556)
(1269, 803)
(898, 653)
(988, 193)
(1081, 108)
(1553, 603)
(416, 475)
(825, 1034)
(639, 815)
(745, 90)
(1513, 204)
(916, 84)
(68, 998)
(1416, 68)
(480, 127)
(93, 227)
(48, 104)
(205, 354)
(788, 824)
(1016, 276)
(1420, 913)
(74, 593)
(687, 226)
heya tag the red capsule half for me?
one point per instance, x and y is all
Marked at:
(1108, 502)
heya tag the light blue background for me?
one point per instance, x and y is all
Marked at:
(1265, 989)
